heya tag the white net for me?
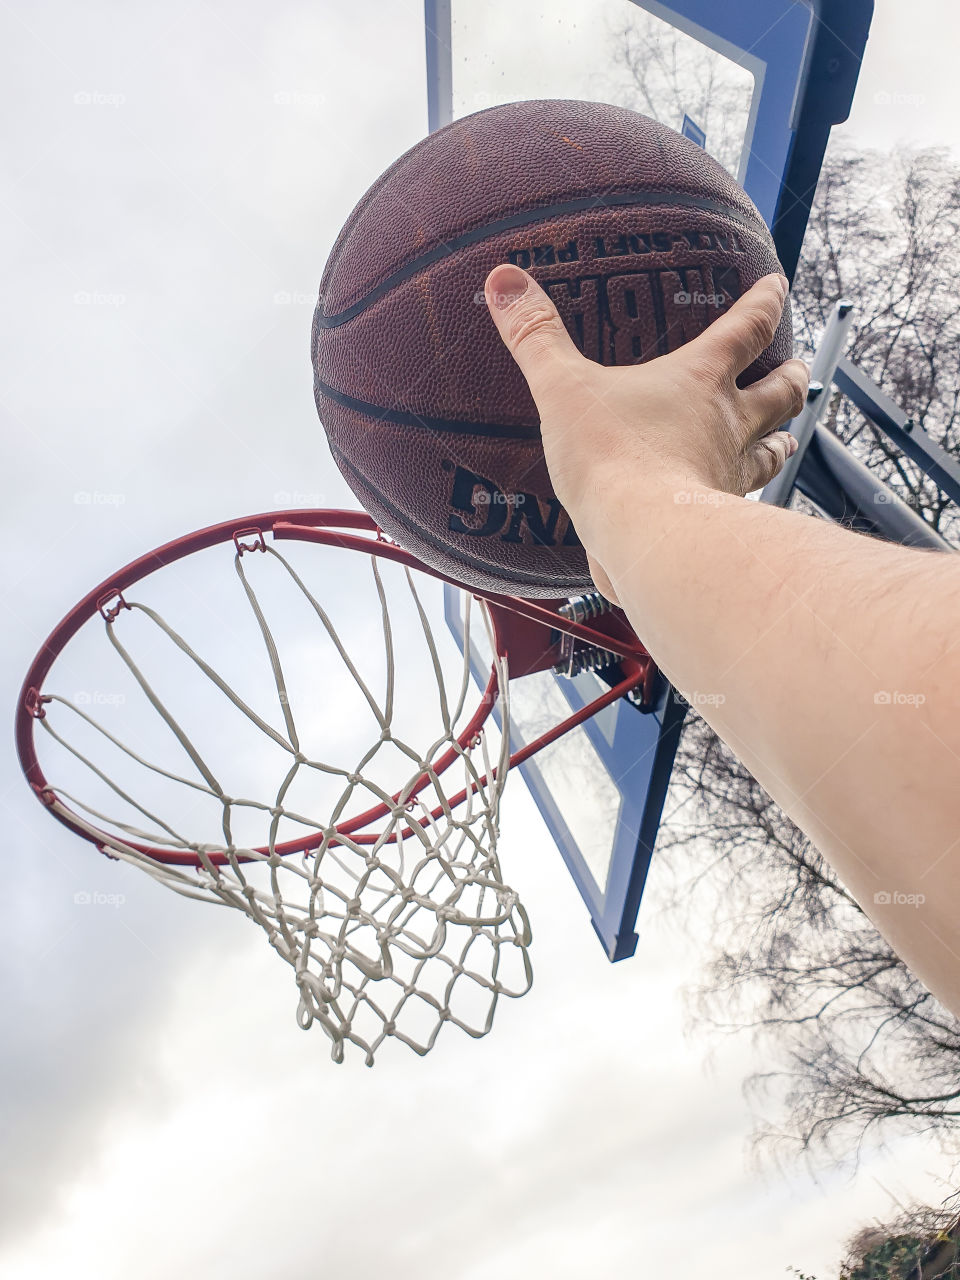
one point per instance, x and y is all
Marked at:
(395, 919)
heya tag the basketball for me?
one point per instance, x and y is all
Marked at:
(640, 238)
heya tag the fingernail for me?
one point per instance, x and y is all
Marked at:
(784, 284)
(793, 445)
(510, 284)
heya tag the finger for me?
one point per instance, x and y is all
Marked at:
(765, 459)
(530, 326)
(740, 336)
(775, 399)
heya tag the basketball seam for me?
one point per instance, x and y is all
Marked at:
(524, 218)
(372, 190)
(408, 418)
(404, 160)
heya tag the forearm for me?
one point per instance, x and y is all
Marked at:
(830, 663)
(720, 589)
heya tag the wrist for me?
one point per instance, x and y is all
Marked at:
(614, 503)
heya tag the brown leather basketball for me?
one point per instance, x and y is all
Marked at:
(640, 238)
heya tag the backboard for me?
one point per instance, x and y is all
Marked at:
(756, 83)
(760, 82)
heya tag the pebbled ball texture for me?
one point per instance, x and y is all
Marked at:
(640, 238)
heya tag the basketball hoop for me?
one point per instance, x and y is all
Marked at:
(390, 906)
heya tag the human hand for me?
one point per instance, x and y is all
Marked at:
(677, 420)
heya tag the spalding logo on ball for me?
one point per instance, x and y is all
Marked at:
(641, 240)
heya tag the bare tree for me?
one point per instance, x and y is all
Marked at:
(854, 1045)
(665, 75)
(853, 1042)
(857, 1043)
(885, 233)
(922, 1244)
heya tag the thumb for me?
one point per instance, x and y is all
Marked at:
(531, 329)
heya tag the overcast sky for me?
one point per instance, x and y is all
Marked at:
(175, 176)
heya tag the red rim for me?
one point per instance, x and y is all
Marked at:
(515, 622)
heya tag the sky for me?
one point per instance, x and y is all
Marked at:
(175, 177)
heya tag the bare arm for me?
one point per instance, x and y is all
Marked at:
(832, 660)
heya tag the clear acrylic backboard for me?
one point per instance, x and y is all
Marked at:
(758, 84)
